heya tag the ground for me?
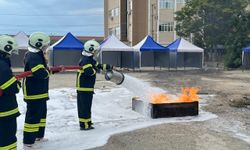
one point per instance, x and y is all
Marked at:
(230, 94)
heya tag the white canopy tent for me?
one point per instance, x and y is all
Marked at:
(22, 41)
(188, 55)
(114, 52)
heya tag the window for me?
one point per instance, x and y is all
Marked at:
(180, 1)
(166, 27)
(115, 31)
(114, 12)
(166, 4)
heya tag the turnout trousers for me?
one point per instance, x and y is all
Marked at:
(35, 121)
(8, 128)
(84, 104)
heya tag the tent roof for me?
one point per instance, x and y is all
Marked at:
(22, 40)
(68, 42)
(112, 43)
(181, 45)
(148, 44)
(246, 49)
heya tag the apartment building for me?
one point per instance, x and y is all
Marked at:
(132, 20)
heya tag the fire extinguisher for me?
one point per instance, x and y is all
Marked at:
(114, 76)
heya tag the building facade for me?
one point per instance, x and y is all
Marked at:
(132, 20)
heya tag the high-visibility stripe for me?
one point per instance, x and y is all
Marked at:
(9, 147)
(104, 67)
(42, 124)
(96, 64)
(34, 97)
(30, 130)
(85, 89)
(8, 83)
(48, 74)
(18, 87)
(94, 72)
(86, 66)
(85, 121)
(9, 113)
(43, 120)
(24, 87)
(40, 66)
(31, 125)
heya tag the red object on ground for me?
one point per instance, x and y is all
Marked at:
(59, 68)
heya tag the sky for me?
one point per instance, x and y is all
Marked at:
(55, 17)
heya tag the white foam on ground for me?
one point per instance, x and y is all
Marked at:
(111, 113)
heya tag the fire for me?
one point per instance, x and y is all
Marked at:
(188, 95)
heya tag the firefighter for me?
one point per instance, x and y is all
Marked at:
(35, 89)
(9, 87)
(86, 77)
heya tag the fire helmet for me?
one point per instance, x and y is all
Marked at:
(91, 46)
(38, 40)
(8, 45)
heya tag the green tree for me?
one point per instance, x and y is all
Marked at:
(216, 23)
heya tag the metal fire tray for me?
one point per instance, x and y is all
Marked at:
(166, 110)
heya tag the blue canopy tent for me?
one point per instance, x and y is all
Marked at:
(152, 54)
(185, 54)
(246, 57)
(66, 51)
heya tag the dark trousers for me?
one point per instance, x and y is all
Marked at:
(84, 104)
(8, 128)
(35, 121)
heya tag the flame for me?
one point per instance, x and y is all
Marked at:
(188, 95)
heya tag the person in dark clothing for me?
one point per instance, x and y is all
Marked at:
(35, 89)
(86, 78)
(9, 87)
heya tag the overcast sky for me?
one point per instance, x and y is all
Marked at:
(56, 17)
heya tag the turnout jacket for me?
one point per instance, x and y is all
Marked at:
(86, 76)
(10, 86)
(36, 86)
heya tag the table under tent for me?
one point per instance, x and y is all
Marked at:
(152, 54)
(66, 51)
(246, 57)
(22, 40)
(185, 54)
(116, 53)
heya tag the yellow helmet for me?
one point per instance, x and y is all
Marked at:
(38, 40)
(91, 46)
(8, 44)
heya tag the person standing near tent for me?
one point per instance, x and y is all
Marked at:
(9, 87)
(35, 89)
(86, 77)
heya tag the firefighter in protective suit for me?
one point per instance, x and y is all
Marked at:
(86, 77)
(9, 86)
(35, 89)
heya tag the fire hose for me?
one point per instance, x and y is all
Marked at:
(29, 73)
(111, 75)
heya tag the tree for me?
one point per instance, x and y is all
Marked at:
(216, 23)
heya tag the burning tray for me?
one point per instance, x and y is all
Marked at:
(165, 110)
